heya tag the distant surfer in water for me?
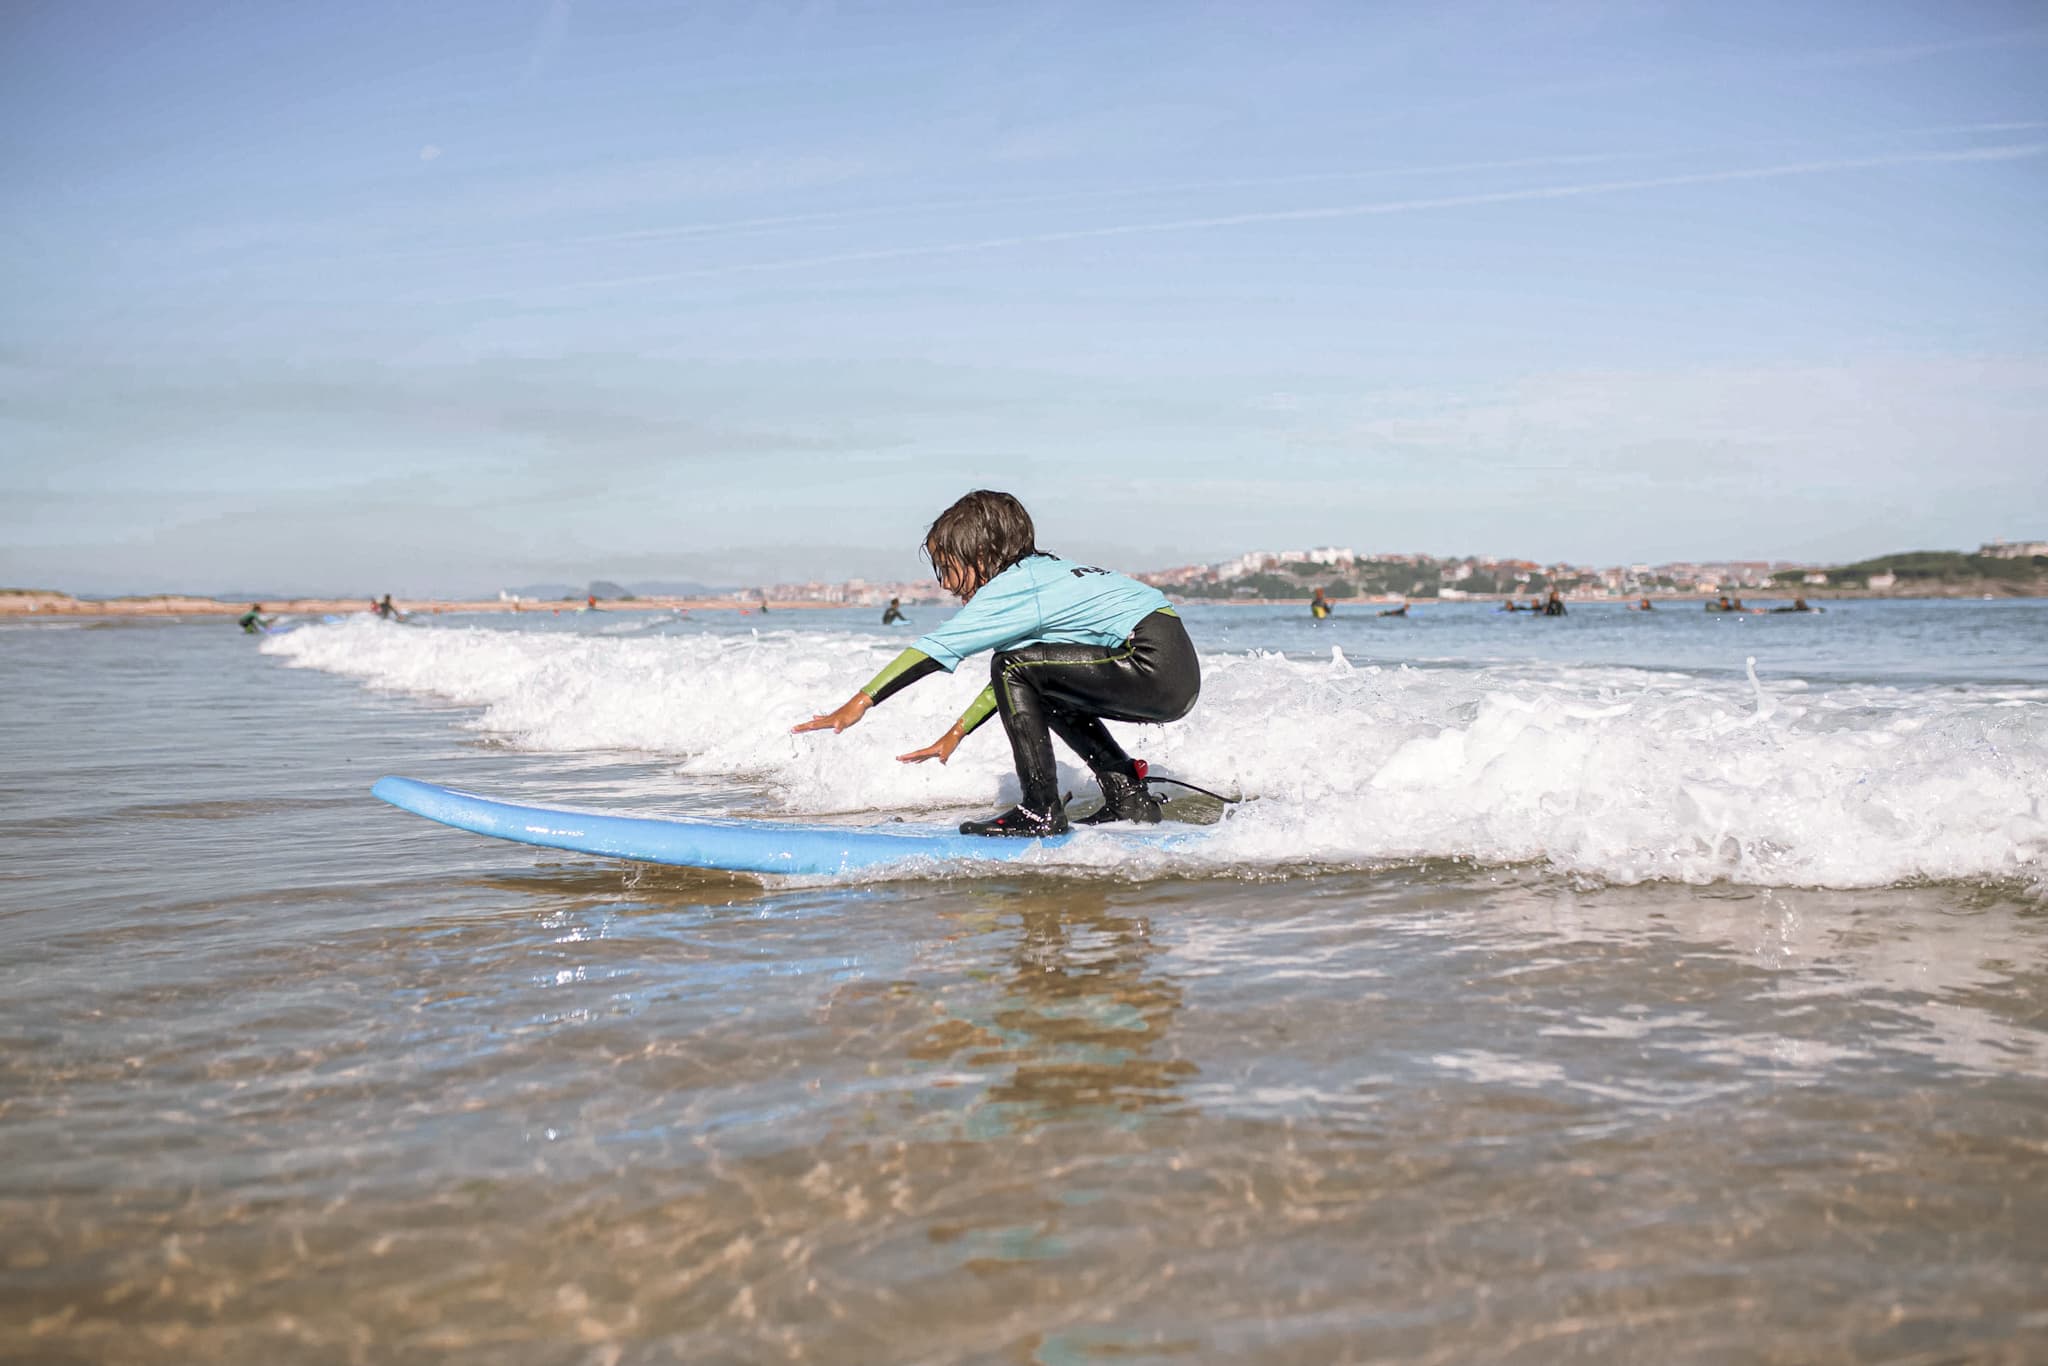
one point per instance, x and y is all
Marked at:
(1553, 606)
(1400, 611)
(893, 613)
(384, 609)
(253, 622)
(1073, 644)
(1319, 606)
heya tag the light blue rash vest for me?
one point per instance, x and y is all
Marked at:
(1043, 599)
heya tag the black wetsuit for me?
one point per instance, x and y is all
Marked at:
(890, 615)
(1067, 690)
(1073, 644)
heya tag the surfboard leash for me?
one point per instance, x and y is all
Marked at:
(1175, 782)
(1145, 777)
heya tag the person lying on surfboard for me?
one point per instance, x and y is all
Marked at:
(1073, 645)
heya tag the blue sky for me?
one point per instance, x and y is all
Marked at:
(437, 298)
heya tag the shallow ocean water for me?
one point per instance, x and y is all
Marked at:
(1472, 1074)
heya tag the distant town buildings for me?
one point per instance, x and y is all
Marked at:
(852, 593)
(1277, 573)
(2013, 550)
(1343, 572)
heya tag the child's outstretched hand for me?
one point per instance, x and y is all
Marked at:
(941, 749)
(854, 708)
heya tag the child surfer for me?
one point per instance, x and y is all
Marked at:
(1073, 644)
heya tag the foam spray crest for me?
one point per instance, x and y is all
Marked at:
(1620, 774)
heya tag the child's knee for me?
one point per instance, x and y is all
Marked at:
(1180, 699)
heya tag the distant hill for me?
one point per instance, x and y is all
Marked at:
(1925, 569)
(615, 592)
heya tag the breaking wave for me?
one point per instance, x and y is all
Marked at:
(1626, 775)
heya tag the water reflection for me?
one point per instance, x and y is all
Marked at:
(1816, 978)
(1080, 1024)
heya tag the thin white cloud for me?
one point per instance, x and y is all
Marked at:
(547, 39)
(1437, 203)
(1718, 69)
(2016, 126)
(1893, 420)
(1305, 178)
(739, 176)
(980, 203)
(1913, 52)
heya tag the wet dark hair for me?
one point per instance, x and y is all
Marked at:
(985, 532)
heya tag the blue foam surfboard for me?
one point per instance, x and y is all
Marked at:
(739, 846)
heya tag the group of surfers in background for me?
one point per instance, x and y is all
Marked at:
(1320, 607)
(254, 623)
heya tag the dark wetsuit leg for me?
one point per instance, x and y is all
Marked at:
(1089, 738)
(1153, 676)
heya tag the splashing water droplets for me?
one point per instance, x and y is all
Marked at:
(1620, 774)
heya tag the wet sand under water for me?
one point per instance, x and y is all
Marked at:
(285, 1076)
(1414, 1116)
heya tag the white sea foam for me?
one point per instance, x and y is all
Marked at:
(1621, 774)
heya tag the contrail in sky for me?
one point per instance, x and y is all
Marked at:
(1598, 187)
(1107, 192)
(830, 217)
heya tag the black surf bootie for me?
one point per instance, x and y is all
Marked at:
(1020, 822)
(1125, 797)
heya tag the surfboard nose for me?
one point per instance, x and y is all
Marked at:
(398, 791)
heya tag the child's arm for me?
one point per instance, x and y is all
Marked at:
(980, 710)
(988, 621)
(899, 674)
(849, 712)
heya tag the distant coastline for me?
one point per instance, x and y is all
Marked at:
(19, 602)
(1999, 570)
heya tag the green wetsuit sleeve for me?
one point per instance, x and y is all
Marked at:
(900, 673)
(983, 707)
